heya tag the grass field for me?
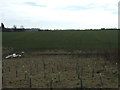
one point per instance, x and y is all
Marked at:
(86, 40)
(60, 71)
(61, 59)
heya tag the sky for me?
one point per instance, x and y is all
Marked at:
(59, 14)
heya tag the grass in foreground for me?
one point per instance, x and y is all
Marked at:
(60, 71)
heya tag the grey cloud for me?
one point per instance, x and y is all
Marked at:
(34, 4)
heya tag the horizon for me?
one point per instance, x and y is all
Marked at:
(22, 27)
(60, 14)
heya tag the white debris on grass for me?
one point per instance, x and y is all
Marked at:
(9, 56)
(23, 66)
(25, 71)
(14, 55)
(22, 52)
(19, 55)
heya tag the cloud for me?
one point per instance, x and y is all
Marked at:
(75, 8)
(34, 4)
(60, 13)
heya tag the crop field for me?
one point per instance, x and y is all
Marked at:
(86, 40)
(61, 59)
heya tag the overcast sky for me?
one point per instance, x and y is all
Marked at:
(60, 14)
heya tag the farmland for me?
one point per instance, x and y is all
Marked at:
(61, 59)
(65, 71)
(86, 40)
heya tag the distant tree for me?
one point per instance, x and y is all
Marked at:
(14, 27)
(102, 28)
(2, 25)
(22, 27)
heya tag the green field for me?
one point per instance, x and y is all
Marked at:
(86, 40)
(61, 59)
